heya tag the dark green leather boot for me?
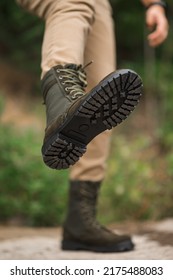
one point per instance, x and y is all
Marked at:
(74, 117)
(81, 230)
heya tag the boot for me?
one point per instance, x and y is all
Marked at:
(81, 230)
(74, 118)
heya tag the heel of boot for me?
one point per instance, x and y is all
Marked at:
(60, 153)
(68, 245)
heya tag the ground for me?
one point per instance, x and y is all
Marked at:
(153, 240)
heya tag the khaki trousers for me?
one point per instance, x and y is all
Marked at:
(78, 32)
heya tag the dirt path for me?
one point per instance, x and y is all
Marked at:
(153, 240)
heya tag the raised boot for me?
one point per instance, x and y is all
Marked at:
(81, 230)
(74, 117)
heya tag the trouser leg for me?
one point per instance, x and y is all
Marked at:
(100, 48)
(67, 24)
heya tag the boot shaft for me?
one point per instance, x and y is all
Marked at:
(61, 87)
(82, 204)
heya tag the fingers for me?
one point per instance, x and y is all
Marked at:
(159, 35)
(155, 17)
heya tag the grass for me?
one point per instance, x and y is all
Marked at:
(30, 192)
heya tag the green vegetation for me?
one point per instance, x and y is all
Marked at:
(20, 36)
(30, 192)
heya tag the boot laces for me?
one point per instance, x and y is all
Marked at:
(74, 80)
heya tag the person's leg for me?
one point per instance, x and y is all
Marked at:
(67, 44)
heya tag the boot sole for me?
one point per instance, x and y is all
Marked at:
(106, 106)
(123, 246)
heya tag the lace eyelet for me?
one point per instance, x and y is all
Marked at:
(58, 71)
(63, 83)
(60, 77)
(66, 89)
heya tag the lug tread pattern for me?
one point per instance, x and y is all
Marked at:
(115, 101)
(61, 154)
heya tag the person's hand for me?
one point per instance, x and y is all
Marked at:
(156, 19)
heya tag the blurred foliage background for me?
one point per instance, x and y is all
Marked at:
(138, 185)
